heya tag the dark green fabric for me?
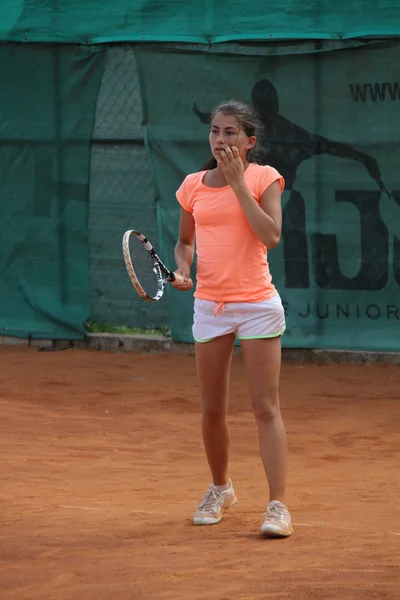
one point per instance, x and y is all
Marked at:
(331, 128)
(96, 21)
(47, 107)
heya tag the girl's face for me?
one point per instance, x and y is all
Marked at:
(226, 131)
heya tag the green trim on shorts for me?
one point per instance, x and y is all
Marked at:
(264, 337)
(203, 341)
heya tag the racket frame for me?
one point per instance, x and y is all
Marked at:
(163, 274)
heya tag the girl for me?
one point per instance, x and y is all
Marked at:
(233, 208)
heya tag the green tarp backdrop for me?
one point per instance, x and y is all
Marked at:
(96, 21)
(47, 107)
(95, 139)
(331, 128)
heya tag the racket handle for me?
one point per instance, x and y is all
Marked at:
(181, 281)
(178, 279)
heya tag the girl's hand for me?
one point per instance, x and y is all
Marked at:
(231, 166)
(183, 283)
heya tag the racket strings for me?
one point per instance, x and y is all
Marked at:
(143, 265)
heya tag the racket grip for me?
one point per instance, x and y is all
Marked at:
(181, 282)
(178, 279)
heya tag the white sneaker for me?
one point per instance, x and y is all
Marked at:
(211, 507)
(277, 521)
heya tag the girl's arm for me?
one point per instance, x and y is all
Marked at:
(184, 249)
(265, 218)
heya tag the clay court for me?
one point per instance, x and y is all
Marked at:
(102, 465)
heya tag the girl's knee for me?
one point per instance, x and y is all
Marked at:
(213, 410)
(266, 408)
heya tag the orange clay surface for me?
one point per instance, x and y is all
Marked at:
(102, 464)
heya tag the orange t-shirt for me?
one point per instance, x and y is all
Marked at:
(232, 263)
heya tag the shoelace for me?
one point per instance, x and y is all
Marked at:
(210, 501)
(276, 512)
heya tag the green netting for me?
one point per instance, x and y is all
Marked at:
(95, 21)
(122, 196)
(331, 122)
(47, 105)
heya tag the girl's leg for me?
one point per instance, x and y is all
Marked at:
(262, 359)
(213, 361)
(213, 365)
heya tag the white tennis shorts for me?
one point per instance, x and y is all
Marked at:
(248, 320)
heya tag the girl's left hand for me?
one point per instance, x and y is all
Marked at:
(231, 166)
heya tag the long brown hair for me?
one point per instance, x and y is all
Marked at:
(248, 121)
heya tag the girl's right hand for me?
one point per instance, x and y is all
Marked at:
(183, 282)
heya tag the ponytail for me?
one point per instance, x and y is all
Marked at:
(210, 164)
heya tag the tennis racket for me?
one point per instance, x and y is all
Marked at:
(146, 270)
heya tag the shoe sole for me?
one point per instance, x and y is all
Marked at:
(277, 534)
(198, 522)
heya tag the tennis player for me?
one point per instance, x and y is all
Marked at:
(232, 207)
